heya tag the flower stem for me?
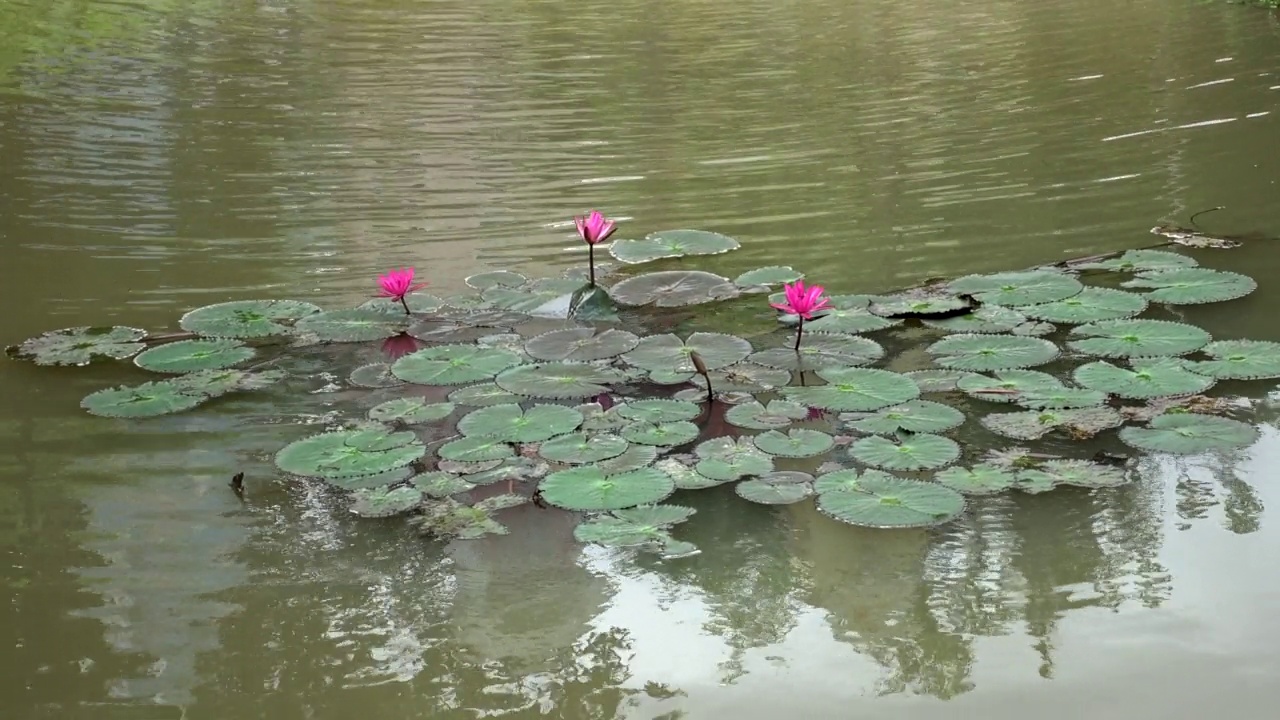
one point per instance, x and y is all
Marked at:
(591, 263)
(799, 332)
(405, 305)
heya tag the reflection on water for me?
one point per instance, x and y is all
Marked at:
(160, 155)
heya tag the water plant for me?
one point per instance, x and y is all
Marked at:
(803, 302)
(396, 284)
(593, 229)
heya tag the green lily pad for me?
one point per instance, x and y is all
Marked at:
(1062, 399)
(1034, 424)
(855, 390)
(1009, 385)
(419, 303)
(673, 288)
(496, 278)
(754, 415)
(1141, 261)
(350, 453)
(470, 469)
(191, 355)
(78, 345)
(1189, 434)
(1193, 286)
(1015, 289)
(440, 484)
(1138, 338)
(482, 395)
(580, 448)
(246, 318)
(888, 502)
(1080, 473)
(667, 434)
(452, 365)
(374, 375)
(991, 352)
(411, 411)
(352, 325)
(917, 416)
(511, 470)
(385, 502)
(772, 275)
(1160, 377)
(515, 424)
(821, 351)
(981, 479)
(776, 488)
(476, 448)
(451, 519)
(939, 380)
(658, 411)
(849, 314)
(1032, 328)
(726, 458)
(1240, 360)
(558, 381)
(645, 525)
(918, 305)
(905, 452)
(794, 443)
(586, 488)
(671, 244)
(670, 353)
(1093, 304)
(139, 401)
(984, 320)
(220, 382)
(371, 482)
(846, 480)
(746, 378)
(684, 476)
(635, 458)
(580, 344)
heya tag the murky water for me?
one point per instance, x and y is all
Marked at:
(161, 155)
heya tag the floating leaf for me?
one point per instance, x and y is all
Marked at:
(246, 318)
(515, 424)
(579, 448)
(636, 526)
(496, 278)
(940, 380)
(1141, 261)
(580, 344)
(419, 303)
(981, 479)
(776, 488)
(410, 410)
(1189, 434)
(374, 375)
(992, 352)
(855, 390)
(881, 501)
(1016, 289)
(725, 459)
(906, 452)
(684, 476)
(78, 345)
(139, 401)
(1138, 338)
(191, 355)
(1062, 399)
(635, 457)
(1240, 360)
(1160, 377)
(989, 319)
(511, 470)
(452, 364)
(440, 484)
(667, 434)
(1033, 424)
(558, 381)
(349, 453)
(777, 414)
(1193, 286)
(846, 480)
(821, 351)
(917, 416)
(457, 467)
(1093, 304)
(1034, 329)
(1009, 385)
(220, 382)
(587, 488)
(795, 443)
(384, 502)
(1080, 473)
(656, 515)
(449, 518)
(657, 411)
(482, 395)
(672, 288)
(919, 305)
(670, 353)
(849, 314)
(352, 325)
(369, 482)
(671, 244)
(475, 449)
(772, 275)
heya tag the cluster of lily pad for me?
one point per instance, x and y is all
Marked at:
(594, 418)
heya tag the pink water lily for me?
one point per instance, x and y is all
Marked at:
(398, 283)
(803, 302)
(594, 229)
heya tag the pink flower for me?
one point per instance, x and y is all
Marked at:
(801, 300)
(595, 228)
(398, 283)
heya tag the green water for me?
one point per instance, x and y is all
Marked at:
(159, 156)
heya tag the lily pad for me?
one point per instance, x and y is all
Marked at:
(549, 297)
(684, 476)
(385, 502)
(579, 448)
(352, 325)
(191, 355)
(981, 479)
(1009, 385)
(453, 364)
(515, 424)
(644, 525)
(1032, 328)
(658, 411)
(78, 345)
(1189, 434)
(476, 448)
(580, 344)
(846, 480)
(417, 302)
(671, 244)
(220, 382)
(917, 416)
(726, 458)
(1160, 377)
(794, 443)
(939, 380)
(349, 453)
(989, 319)
(558, 381)
(745, 377)
(411, 411)
(670, 353)
(496, 278)
(889, 502)
(776, 488)
(1016, 289)
(772, 275)
(587, 488)
(1193, 286)
(1240, 360)
(1138, 338)
(1062, 399)
(374, 375)
(482, 395)
(850, 314)
(635, 457)
(991, 352)
(145, 400)
(1032, 424)
(512, 470)
(905, 452)
(1141, 261)
(672, 288)
(821, 351)
(1093, 304)
(1080, 473)
(440, 484)
(246, 318)
(919, 305)
(754, 415)
(667, 434)
(855, 390)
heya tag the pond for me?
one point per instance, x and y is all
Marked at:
(163, 156)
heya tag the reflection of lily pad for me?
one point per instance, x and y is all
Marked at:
(353, 325)
(1016, 289)
(672, 288)
(1093, 304)
(139, 401)
(659, 410)
(349, 453)
(881, 501)
(1193, 286)
(991, 352)
(981, 479)
(1080, 473)
(191, 355)
(452, 364)
(821, 351)
(1141, 261)
(671, 244)
(1240, 360)
(773, 275)
(855, 390)
(754, 415)
(794, 443)
(1160, 377)
(515, 424)
(558, 381)
(905, 452)
(989, 319)
(482, 395)
(667, 434)
(384, 502)
(586, 488)
(246, 318)
(1033, 424)
(670, 353)
(580, 344)
(1189, 434)
(726, 458)
(410, 410)
(78, 345)
(776, 488)
(1009, 385)
(579, 448)
(917, 416)
(1138, 338)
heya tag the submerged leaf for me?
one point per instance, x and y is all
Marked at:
(821, 351)
(855, 390)
(981, 479)
(1240, 360)
(374, 375)
(384, 502)
(1138, 338)
(776, 488)
(794, 443)
(580, 344)
(512, 423)
(777, 414)
(220, 382)
(1080, 473)
(991, 352)
(246, 318)
(670, 353)
(1093, 304)
(587, 488)
(1189, 434)
(449, 518)
(1141, 261)
(672, 288)
(1033, 424)
(191, 355)
(671, 244)
(349, 453)
(1018, 288)
(1062, 399)
(441, 484)
(145, 400)
(558, 381)
(917, 416)
(1193, 286)
(910, 452)
(1159, 377)
(452, 364)
(411, 411)
(882, 501)
(78, 345)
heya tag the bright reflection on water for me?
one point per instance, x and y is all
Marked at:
(161, 155)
